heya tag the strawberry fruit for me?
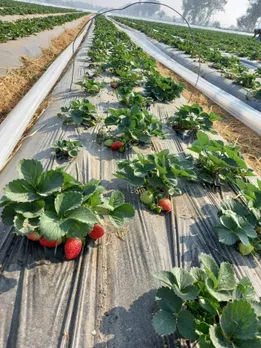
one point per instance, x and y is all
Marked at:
(97, 232)
(49, 243)
(33, 236)
(108, 142)
(165, 204)
(147, 197)
(113, 85)
(72, 248)
(117, 145)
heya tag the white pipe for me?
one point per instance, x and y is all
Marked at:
(240, 110)
(13, 127)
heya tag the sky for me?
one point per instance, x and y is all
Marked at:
(233, 9)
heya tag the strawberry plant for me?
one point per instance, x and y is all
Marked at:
(130, 98)
(81, 112)
(155, 176)
(240, 224)
(133, 126)
(247, 80)
(208, 305)
(67, 148)
(57, 206)
(217, 162)
(163, 89)
(90, 86)
(192, 118)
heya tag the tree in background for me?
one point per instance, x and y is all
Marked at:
(201, 11)
(161, 14)
(248, 21)
(144, 10)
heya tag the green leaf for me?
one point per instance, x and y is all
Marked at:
(82, 214)
(225, 236)
(117, 198)
(239, 320)
(50, 182)
(164, 323)
(226, 277)
(207, 306)
(217, 338)
(20, 190)
(186, 325)
(168, 301)
(245, 290)
(67, 201)
(50, 226)
(119, 215)
(30, 170)
(165, 277)
(31, 209)
(183, 278)
(210, 266)
(198, 274)
(219, 295)
(23, 225)
(204, 342)
(254, 343)
(202, 137)
(8, 214)
(89, 190)
(76, 229)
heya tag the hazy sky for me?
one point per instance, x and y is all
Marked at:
(233, 9)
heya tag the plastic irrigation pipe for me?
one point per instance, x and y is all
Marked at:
(18, 119)
(240, 110)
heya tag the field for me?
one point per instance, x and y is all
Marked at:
(26, 27)
(210, 46)
(10, 7)
(129, 221)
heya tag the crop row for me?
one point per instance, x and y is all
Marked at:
(26, 27)
(208, 304)
(208, 45)
(10, 7)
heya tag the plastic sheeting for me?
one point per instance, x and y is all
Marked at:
(106, 297)
(17, 121)
(246, 114)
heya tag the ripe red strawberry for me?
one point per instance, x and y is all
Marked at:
(113, 85)
(97, 231)
(72, 248)
(117, 145)
(165, 204)
(50, 243)
(34, 236)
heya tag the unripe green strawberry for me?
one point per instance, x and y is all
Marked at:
(246, 249)
(108, 142)
(147, 197)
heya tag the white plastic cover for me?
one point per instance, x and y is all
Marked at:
(16, 122)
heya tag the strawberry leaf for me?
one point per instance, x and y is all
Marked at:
(164, 323)
(168, 301)
(122, 213)
(50, 182)
(186, 325)
(117, 198)
(239, 321)
(30, 170)
(67, 201)
(50, 226)
(30, 209)
(20, 190)
(82, 214)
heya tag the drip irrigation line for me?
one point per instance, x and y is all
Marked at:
(124, 8)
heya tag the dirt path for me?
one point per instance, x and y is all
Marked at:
(13, 18)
